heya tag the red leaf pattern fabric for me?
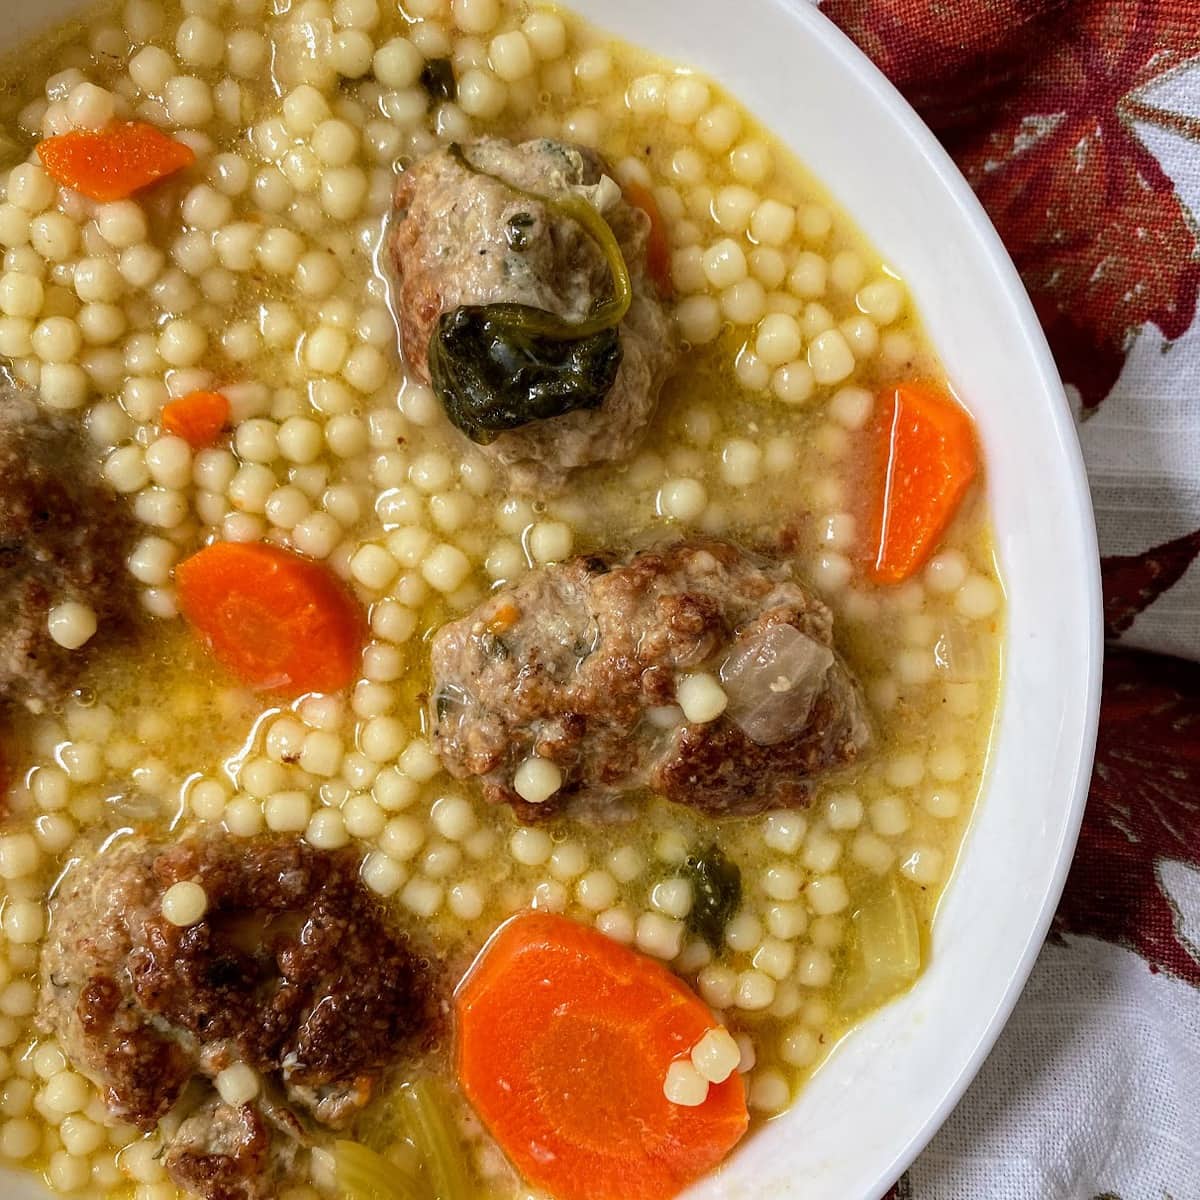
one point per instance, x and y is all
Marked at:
(1077, 122)
(1144, 809)
(1132, 582)
(1036, 100)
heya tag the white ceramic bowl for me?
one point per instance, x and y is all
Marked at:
(891, 1083)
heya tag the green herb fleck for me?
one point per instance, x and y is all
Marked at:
(716, 893)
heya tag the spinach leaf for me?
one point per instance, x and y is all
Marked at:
(437, 78)
(500, 366)
(492, 376)
(716, 893)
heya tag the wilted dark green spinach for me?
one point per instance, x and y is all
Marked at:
(716, 893)
(500, 366)
(437, 78)
(492, 375)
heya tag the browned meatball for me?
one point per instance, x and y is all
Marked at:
(579, 664)
(225, 1153)
(293, 971)
(463, 237)
(63, 536)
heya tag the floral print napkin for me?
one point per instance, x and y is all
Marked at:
(1078, 124)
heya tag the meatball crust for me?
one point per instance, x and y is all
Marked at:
(64, 536)
(580, 664)
(452, 244)
(293, 970)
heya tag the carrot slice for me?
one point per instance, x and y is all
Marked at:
(926, 458)
(199, 418)
(280, 622)
(564, 1040)
(113, 163)
(658, 247)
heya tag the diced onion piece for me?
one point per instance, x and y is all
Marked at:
(959, 654)
(773, 677)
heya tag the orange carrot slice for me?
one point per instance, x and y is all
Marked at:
(564, 1040)
(926, 458)
(113, 163)
(199, 418)
(658, 247)
(280, 622)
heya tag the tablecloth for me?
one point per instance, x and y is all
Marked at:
(1078, 124)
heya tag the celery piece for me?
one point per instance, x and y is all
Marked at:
(424, 1107)
(364, 1175)
(885, 958)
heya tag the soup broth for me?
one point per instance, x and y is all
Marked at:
(259, 272)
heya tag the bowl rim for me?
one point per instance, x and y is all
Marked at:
(1037, 350)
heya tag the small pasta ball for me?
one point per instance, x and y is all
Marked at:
(546, 33)
(882, 300)
(687, 98)
(335, 142)
(830, 357)
(741, 462)
(304, 108)
(24, 922)
(343, 192)
(550, 541)
(182, 342)
(772, 223)
(89, 106)
(317, 274)
(481, 94)
(352, 53)
(718, 128)
(184, 903)
(751, 162)
(475, 16)
(698, 319)
(977, 598)
(511, 56)
(733, 208)
(21, 295)
(30, 188)
(724, 264)
(701, 697)
(793, 383)
(199, 43)
(744, 303)
(847, 271)
(768, 266)
(206, 208)
(188, 101)
(445, 568)
(682, 499)
(54, 236)
(150, 68)
(398, 63)
(121, 223)
(778, 339)
(56, 339)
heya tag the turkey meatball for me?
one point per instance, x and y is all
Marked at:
(292, 973)
(64, 537)
(696, 670)
(473, 228)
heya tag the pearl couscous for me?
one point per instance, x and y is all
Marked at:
(259, 274)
